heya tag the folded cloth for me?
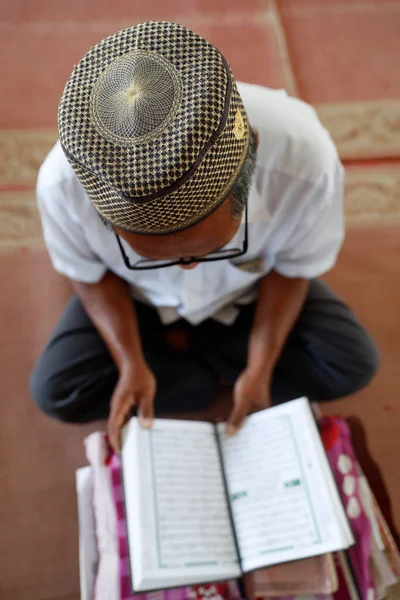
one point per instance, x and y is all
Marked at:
(336, 436)
(113, 576)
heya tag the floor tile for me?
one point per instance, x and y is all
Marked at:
(37, 60)
(19, 221)
(372, 194)
(302, 6)
(250, 48)
(346, 54)
(363, 130)
(21, 154)
(136, 10)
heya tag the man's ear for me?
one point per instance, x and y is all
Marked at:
(257, 137)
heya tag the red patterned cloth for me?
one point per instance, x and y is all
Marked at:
(336, 437)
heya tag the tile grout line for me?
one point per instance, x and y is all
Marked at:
(274, 19)
(342, 8)
(189, 20)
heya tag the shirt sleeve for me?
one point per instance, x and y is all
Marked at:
(69, 250)
(314, 244)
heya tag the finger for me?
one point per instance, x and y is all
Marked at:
(262, 403)
(117, 419)
(146, 411)
(236, 418)
(116, 422)
(219, 419)
(113, 435)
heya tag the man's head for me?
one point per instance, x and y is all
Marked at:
(207, 236)
(153, 125)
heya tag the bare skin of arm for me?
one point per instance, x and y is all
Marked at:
(110, 307)
(279, 303)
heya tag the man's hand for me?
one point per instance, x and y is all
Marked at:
(136, 387)
(251, 391)
(279, 303)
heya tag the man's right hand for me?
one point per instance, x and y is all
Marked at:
(136, 387)
(109, 305)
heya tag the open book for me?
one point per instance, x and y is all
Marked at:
(203, 506)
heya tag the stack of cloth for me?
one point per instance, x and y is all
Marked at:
(370, 570)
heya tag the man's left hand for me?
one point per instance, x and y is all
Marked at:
(252, 390)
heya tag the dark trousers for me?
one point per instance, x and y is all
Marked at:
(327, 355)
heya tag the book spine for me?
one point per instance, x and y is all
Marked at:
(221, 460)
(348, 575)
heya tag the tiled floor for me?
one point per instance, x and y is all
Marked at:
(341, 55)
(343, 51)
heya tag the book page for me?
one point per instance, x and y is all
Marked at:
(88, 553)
(283, 508)
(177, 513)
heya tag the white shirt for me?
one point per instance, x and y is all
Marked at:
(295, 219)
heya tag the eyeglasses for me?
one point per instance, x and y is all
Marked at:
(224, 254)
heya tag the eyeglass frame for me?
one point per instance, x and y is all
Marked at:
(191, 260)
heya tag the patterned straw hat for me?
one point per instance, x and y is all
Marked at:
(152, 123)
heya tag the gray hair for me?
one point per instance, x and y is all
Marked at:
(241, 189)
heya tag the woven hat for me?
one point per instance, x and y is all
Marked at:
(152, 123)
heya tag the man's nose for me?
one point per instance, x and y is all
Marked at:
(189, 266)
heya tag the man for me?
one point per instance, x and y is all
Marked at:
(173, 202)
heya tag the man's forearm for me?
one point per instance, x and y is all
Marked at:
(280, 300)
(110, 307)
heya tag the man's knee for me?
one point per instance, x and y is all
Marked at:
(43, 393)
(366, 363)
(48, 395)
(358, 369)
